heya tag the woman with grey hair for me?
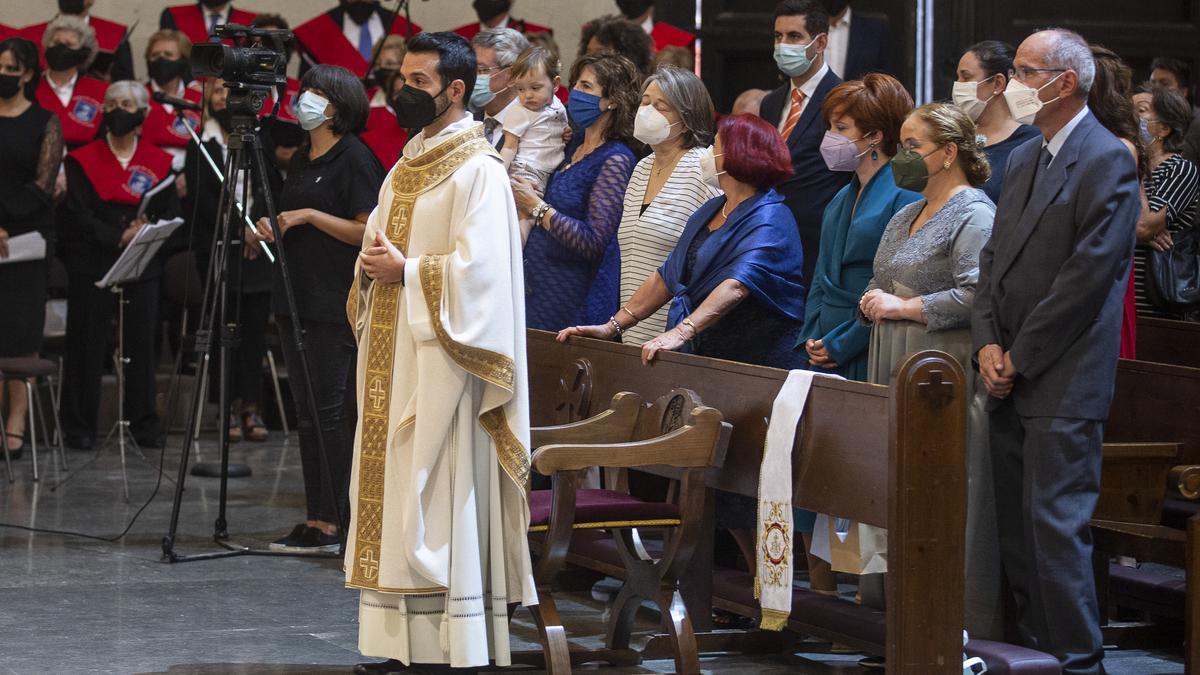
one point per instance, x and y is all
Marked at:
(65, 91)
(676, 120)
(106, 182)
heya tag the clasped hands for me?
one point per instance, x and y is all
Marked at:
(997, 369)
(818, 355)
(132, 229)
(382, 262)
(878, 306)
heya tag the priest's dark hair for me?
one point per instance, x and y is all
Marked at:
(345, 91)
(456, 58)
(816, 18)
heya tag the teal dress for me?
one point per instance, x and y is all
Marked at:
(849, 238)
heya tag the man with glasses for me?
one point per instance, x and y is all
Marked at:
(1046, 328)
(496, 49)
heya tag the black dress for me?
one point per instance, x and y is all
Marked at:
(32, 143)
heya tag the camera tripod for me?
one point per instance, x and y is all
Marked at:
(218, 327)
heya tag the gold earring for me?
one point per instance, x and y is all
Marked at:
(946, 164)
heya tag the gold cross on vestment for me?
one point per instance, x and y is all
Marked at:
(377, 393)
(369, 564)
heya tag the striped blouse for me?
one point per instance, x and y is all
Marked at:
(1173, 185)
(647, 238)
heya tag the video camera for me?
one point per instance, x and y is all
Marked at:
(252, 67)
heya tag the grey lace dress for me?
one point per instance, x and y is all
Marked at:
(940, 263)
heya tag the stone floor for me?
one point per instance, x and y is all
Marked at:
(75, 605)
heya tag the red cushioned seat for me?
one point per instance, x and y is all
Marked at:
(1159, 594)
(603, 509)
(1005, 659)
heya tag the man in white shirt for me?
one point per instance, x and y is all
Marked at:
(858, 43)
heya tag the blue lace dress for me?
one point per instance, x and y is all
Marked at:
(573, 269)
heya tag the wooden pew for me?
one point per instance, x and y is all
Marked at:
(1168, 341)
(888, 456)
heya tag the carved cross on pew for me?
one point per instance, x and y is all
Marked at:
(937, 391)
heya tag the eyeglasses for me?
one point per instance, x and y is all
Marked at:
(489, 71)
(1024, 73)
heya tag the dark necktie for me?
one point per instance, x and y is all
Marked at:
(1044, 160)
(214, 20)
(490, 124)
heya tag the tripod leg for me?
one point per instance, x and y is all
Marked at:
(36, 402)
(7, 459)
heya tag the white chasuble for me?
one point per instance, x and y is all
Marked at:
(438, 502)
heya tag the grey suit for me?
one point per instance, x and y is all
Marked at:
(1051, 290)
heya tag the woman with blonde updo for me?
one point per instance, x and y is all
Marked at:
(926, 270)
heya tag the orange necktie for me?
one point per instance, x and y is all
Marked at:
(793, 114)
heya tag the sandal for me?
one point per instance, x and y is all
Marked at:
(14, 453)
(254, 427)
(235, 429)
(728, 620)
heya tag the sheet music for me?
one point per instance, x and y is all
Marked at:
(152, 192)
(25, 247)
(140, 251)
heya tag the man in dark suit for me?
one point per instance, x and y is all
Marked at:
(795, 109)
(347, 34)
(1046, 328)
(858, 43)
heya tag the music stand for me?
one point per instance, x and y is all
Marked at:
(128, 268)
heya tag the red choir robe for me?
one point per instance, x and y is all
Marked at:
(83, 114)
(520, 25)
(149, 167)
(322, 40)
(192, 22)
(287, 107)
(666, 35)
(108, 36)
(7, 32)
(163, 129)
(384, 136)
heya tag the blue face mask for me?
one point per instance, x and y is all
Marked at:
(793, 60)
(583, 109)
(1144, 129)
(310, 110)
(482, 94)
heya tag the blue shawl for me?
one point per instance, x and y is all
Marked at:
(758, 245)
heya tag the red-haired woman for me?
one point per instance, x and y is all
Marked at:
(735, 278)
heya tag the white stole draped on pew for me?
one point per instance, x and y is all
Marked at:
(773, 580)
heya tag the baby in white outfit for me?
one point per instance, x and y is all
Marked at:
(533, 129)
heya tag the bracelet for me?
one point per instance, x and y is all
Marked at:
(539, 212)
(688, 322)
(612, 321)
(631, 314)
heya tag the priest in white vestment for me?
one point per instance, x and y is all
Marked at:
(439, 508)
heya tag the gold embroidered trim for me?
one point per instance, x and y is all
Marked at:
(773, 620)
(512, 455)
(411, 179)
(404, 591)
(482, 363)
(604, 524)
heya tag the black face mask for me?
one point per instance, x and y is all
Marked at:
(62, 57)
(490, 9)
(634, 9)
(224, 117)
(163, 71)
(415, 108)
(360, 12)
(120, 121)
(70, 7)
(213, 4)
(9, 85)
(835, 7)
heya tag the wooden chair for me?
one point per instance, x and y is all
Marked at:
(677, 438)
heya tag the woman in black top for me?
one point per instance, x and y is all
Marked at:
(254, 300)
(106, 182)
(32, 140)
(331, 189)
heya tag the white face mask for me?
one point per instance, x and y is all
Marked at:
(310, 110)
(966, 97)
(708, 168)
(650, 126)
(1023, 101)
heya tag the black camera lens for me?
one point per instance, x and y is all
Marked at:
(209, 59)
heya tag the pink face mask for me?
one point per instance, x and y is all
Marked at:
(840, 153)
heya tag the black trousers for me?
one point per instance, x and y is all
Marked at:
(90, 313)
(1047, 478)
(332, 353)
(246, 384)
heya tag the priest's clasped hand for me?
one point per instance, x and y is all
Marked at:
(383, 262)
